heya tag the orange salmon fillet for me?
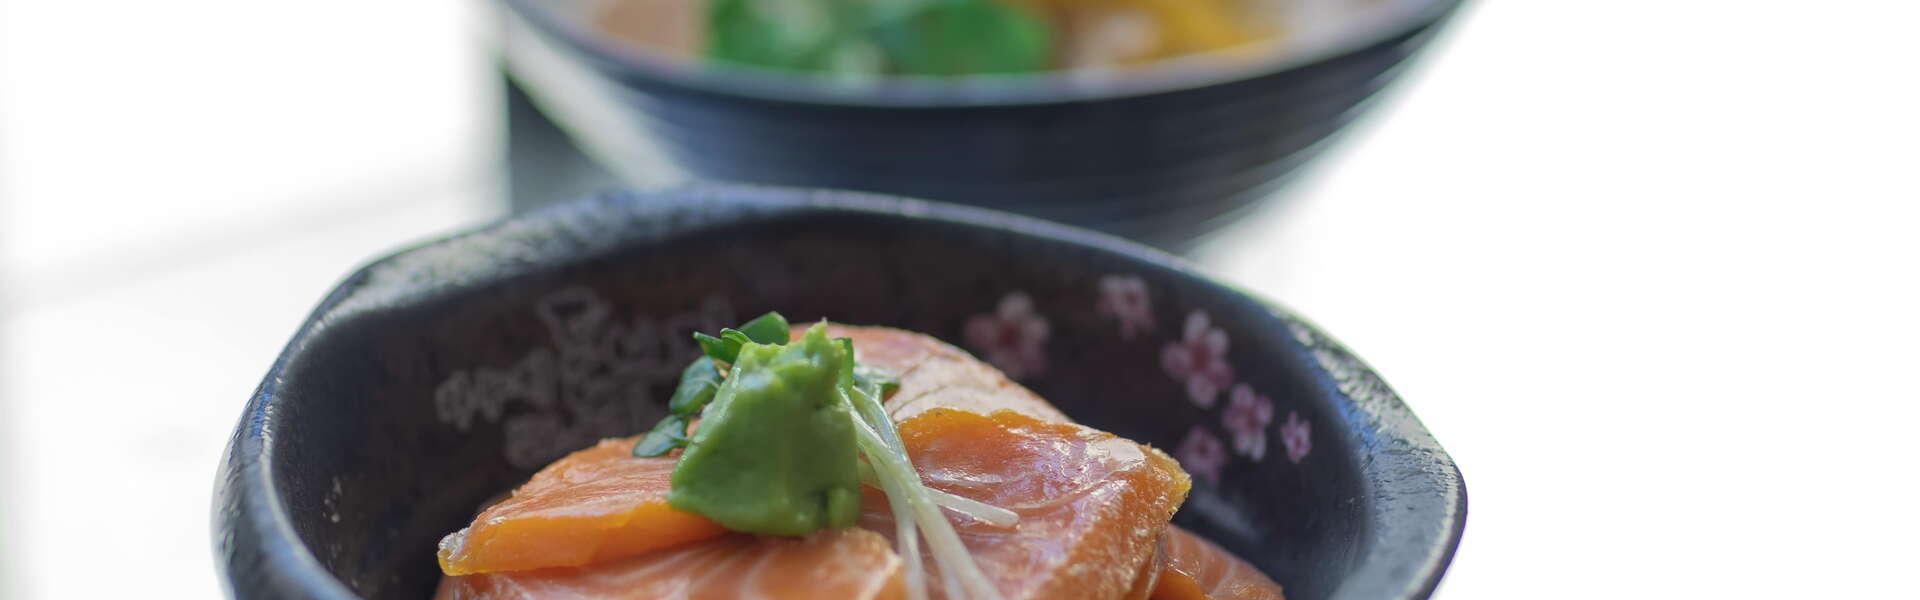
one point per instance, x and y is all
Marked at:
(1196, 569)
(1093, 506)
(934, 374)
(849, 564)
(595, 505)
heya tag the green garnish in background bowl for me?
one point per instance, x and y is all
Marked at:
(870, 37)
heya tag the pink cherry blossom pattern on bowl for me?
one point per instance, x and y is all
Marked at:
(1297, 436)
(1200, 360)
(1246, 419)
(1124, 299)
(1202, 454)
(1013, 337)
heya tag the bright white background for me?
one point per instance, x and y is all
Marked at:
(1649, 269)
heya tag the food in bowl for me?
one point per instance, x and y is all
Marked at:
(939, 37)
(790, 456)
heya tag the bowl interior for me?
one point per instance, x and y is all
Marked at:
(1314, 30)
(434, 380)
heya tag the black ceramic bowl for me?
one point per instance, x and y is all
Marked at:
(445, 374)
(1160, 154)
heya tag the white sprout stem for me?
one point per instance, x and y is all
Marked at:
(981, 511)
(906, 535)
(909, 541)
(907, 538)
(875, 414)
(956, 563)
(974, 509)
(891, 470)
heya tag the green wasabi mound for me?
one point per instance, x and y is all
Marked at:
(775, 453)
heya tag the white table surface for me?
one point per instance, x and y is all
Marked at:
(1649, 270)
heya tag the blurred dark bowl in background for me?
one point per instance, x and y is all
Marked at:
(1161, 154)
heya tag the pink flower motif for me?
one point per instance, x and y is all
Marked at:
(1202, 454)
(1013, 337)
(1246, 417)
(1199, 359)
(1125, 299)
(1297, 436)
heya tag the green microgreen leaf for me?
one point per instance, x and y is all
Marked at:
(734, 339)
(698, 383)
(725, 348)
(716, 348)
(701, 380)
(670, 433)
(770, 328)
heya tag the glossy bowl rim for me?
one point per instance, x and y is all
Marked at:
(275, 559)
(1047, 88)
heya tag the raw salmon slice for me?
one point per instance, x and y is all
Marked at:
(1196, 569)
(1148, 579)
(849, 564)
(934, 374)
(595, 505)
(1092, 505)
(601, 504)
